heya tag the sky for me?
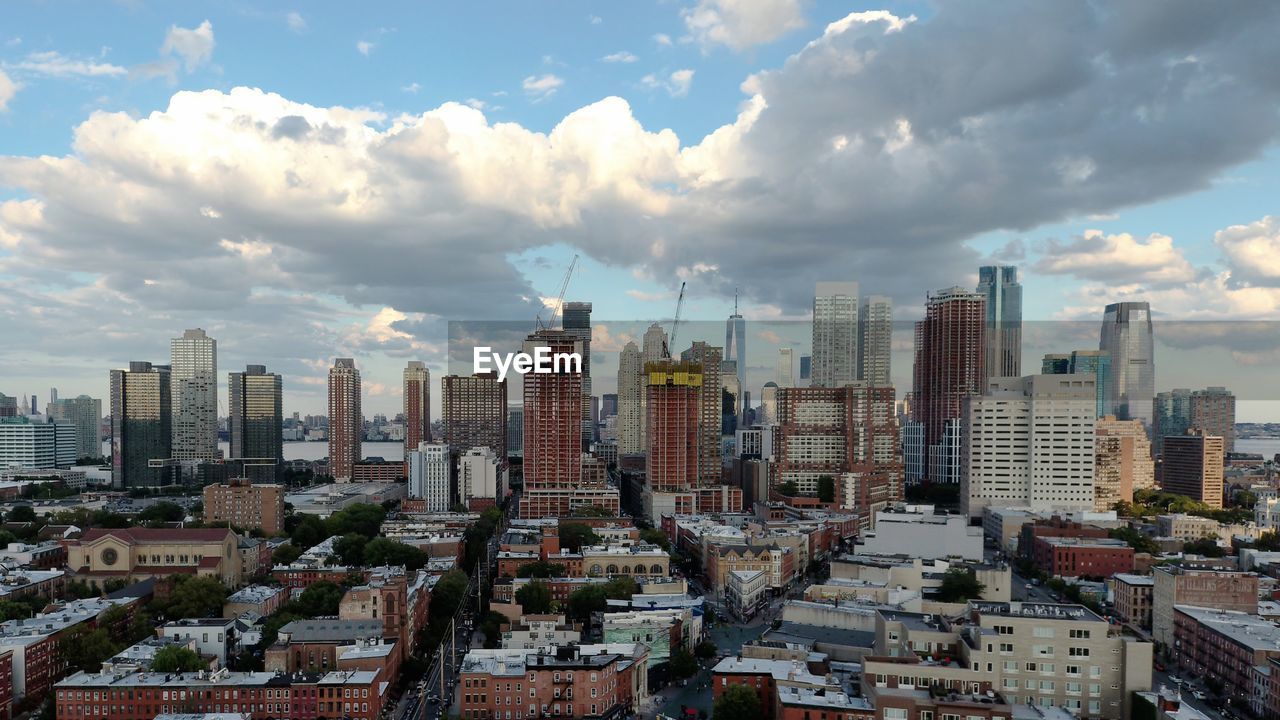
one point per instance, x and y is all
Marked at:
(325, 179)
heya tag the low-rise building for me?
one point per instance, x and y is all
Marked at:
(565, 683)
(260, 599)
(1223, 646)
(540, 632)
(637, 561)
(1082, 557)
(213, 637)
(919, 531)
(765, 677)
(35, 644)
(48, 555)
(805, 703)
(662, 630)
(21, 582)
(245, 505)
(138, 553)
(747, 592)
(1184, 527)
(1174, 585)
(312, 645)
(1133, 598)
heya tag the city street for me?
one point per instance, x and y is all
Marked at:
(696, 693)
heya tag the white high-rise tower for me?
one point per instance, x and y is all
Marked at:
(194, 395)
(835, 334)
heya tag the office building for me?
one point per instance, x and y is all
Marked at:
(806, 370)
(141, 426)
(674, 415)
(8, 406)
(1171, 413)
(481, 478)
(999, 285)
(1192, 465)
(25, 442)
(346, 421)
(786, 367)
(1083, 362)
(515, 432)
(709, 457)
(475, 413)
(631, 401)
(915, 458)
(576, 320)
(1127, 339)
(85, 415)
(417, 405)
(608, 405)
(431, 476)
(835, 334)
(1213, 412)
(1174, 585)
(875, 340)
(194, 395)
(245, 505)
(256, 421)
(1122, 462)
(735, 348)
(950, 362)
(1029, 442)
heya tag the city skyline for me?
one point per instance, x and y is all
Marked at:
(287, 287)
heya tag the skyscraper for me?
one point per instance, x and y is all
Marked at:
(346, 421)
(710, 462)
(1192, 466)
(417, 405)
(1213, 412)
(1127, 339)
(875, 339)
(85, 413)
(141, 425)
(552, 428)
(515, 432)
(256, 420)
(577, 322)
(1083, 362)
(950, 356)
(8, 406)
(735, 345)
(1171, 415)
(835, 334)
(475, 413)
(630, 423)
(1122, 462)
(674, 417)
(654, 345)
(194, 379)
(431, 475)
(786, 367)
(999, 285)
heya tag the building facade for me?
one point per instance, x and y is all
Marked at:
(194, 395)
(1192, 465)
(631, 402)
(1122, 462)
(875, 340)
(475, 412)
(417, 406)
(431, 476)
(256, 421)
(27, 443)
(950, 364)
(346, 420)
(246, 505)
(85, 414)
(999, 285)
(1127, 340)
(141, 425)
(835, 334)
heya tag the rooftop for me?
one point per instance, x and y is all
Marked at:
(1131, 579)
(1249, 631)
(331, 630)
(824, 698)
(1047, 611)
(255, 594)
(780, 669)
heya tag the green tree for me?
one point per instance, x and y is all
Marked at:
(683, 663)
(321, 598)
(1138, 541)
(349, 549)
(654, 536)
(104, 518)
(384, 551)
(826, 488)
(540, 569)
(574, 535)
(491, 626)
(592, 511)
(363, 520)
(787, 489)
(960, 584)
(534, 598)
(161, 512)
(79, 590)
(448, 595)
(195, 597)
(21, 514)
(308, 532)
(175, 658)
(20, 608)
(286, 554)
(706, 650)
(586, 600)
(7, 537)
(737, 702)
(1207, 547)
(1269, 541)
(84, 649)
(620, 588)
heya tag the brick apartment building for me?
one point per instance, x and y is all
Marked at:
(507, 685)
(1082, 557)
(1223, 646)
(244, 505)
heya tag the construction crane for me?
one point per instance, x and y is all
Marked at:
(564, 288)
(675, 323)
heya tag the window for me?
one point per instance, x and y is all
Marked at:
(1078, 652)
(1043, 632)
(1079, 634)
(895, 714)
(1006, 647)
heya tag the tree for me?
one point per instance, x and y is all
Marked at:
(1139, 542)
(195, 597)
(491, 626)
(706, 650)
(1207, 547)
(350, 549)
(383, 551)
(959, 585)
(286, 554)
(826, 488)
(104, 518)
(308, 532)
(574, 535)
(620, 588)
(448, 595)
(683, 663)
(1269, 541)
(21, 514)
(20, 608)
(161, 512)
(787, 489)
(7, 537)
(85, 650)
(654, 536)
(541, 569)
(79, 590)
(363, 520)
(175, 658)
(321, 598)
(737, 702)
(534, 598)
(592, 511)
(586, 600)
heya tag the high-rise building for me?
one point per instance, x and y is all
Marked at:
(475, 413)
(735, 345)
(733, 405)
(835, 334)
(847, 433)
(950, 362)
(915, 458)
(431, 476)
(1192, 465)
(417, 405)
(674, 416)
(875, 339)
(346, 420)
(8, 406)
(85, 414)
(1122, 462)
(1126, 337)
(806, 370)
(480, 478)
(194, 388)
(27, 442)
(1083, 362)
(1029, 441)
(631, 401)
(710, 462)
(256, 421)
(1213, 412)
(515, 431)
(141, 426)
(1171, 415)
(999, 285)
(786, 367)
(654, 345)
(769, 404)
(576, 321)
(608, 405)
(552, 428)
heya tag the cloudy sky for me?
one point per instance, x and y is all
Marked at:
(330, 179)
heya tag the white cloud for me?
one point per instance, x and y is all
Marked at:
(740, 24)
(364, 47)
(662, 39)
(476, 103)
(296, 22)
(55, 64)
(622, 56)
(8, 88)
(541, 87)
(1252, 252)
(210, 212)
(252, 249)
(1121, 257)
(595, 19)
(676, 84)
(194, 46)
(411, 88)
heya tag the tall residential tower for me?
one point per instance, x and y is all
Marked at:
(346, 421)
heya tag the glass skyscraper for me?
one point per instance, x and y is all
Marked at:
(999, 285)
(1127, 339)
